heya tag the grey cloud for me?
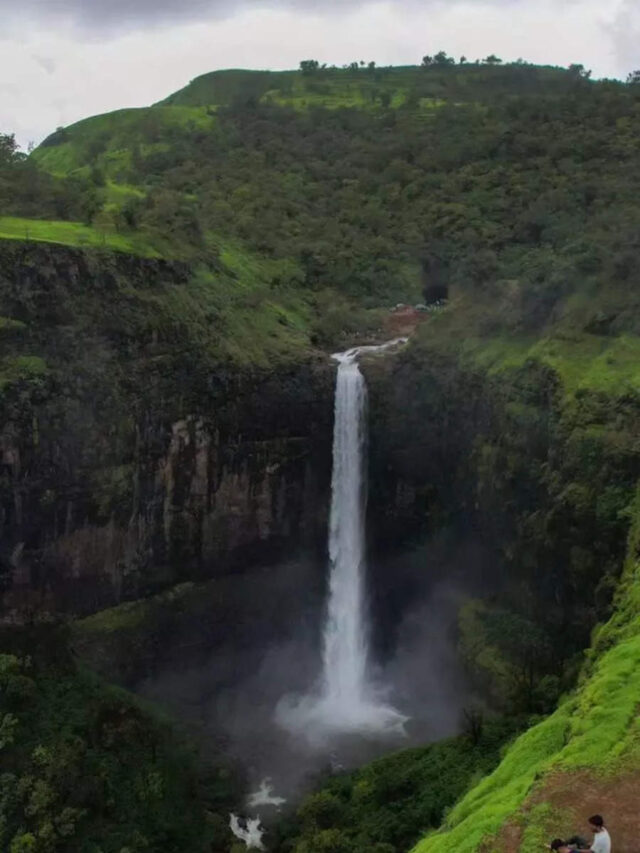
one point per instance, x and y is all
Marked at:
(108, 16)
(131, 14)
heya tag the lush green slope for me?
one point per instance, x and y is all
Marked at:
(72, 234)
(596, 730)
(113, 136)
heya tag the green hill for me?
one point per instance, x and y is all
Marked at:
(360, 176)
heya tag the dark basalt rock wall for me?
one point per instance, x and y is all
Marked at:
(129, 463)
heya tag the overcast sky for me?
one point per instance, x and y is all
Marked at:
(62, 60)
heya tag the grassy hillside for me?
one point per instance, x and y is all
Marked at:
(113, 136)
(366, 86)
(584, 758)
(72, 234)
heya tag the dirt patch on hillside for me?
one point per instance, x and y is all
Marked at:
(576, 796)
(402, 322)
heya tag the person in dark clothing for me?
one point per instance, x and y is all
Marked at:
(560, 846)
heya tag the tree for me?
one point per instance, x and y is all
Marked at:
(579, 71)
(442, 58)
(427, 61)
(492, 60)
(634, 78)
(8, 149)
(309, 67)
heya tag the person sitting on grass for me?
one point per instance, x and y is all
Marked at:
(601, 839)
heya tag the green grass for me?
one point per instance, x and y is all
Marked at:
(72, 234)
(248, 312)
(117, 194)
(262, 320)
(581, 361)
(108, 137)
(595, 728)
(220, 88)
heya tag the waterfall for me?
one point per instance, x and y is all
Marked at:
(345, 658)
(349, 700)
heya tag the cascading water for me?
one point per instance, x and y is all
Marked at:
(348, 700)
(345, 658)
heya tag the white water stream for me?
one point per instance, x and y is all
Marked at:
(250, 831)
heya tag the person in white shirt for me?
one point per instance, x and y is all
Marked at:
(601, 839)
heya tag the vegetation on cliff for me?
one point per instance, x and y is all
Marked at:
(112, 365)
(87, 768)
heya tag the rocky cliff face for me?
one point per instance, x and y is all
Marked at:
(128, 464)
